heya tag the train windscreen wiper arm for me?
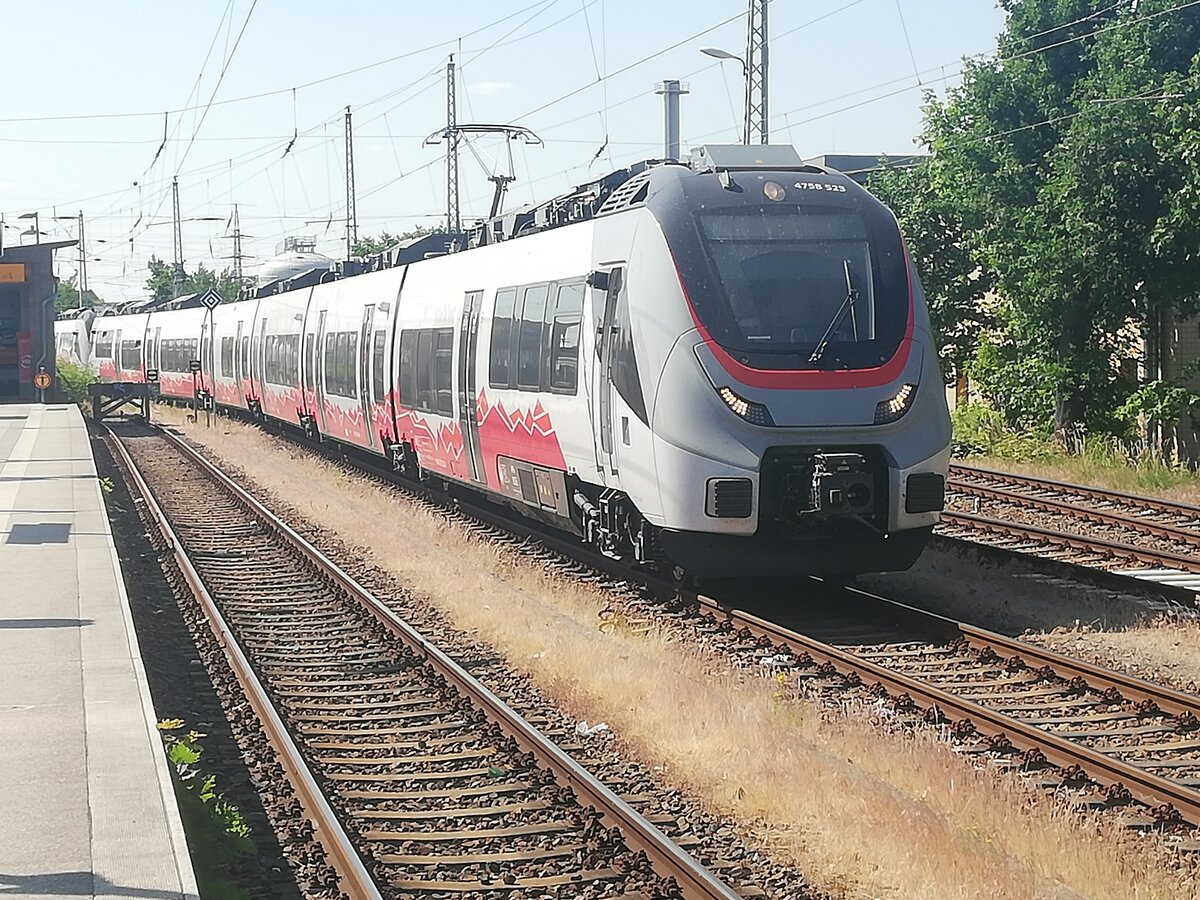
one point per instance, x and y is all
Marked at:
(847, 306)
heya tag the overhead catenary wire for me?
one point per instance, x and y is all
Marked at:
(788, 116)
(217, 86)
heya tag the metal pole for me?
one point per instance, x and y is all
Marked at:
(453, 219)
(351, 212)
(671, 90)
(237, 247)
(757, 119)
(83, 282)
(212, 349)
(177, 280)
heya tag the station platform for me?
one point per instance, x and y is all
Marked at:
(86, 803)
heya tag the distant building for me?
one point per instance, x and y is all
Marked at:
(27, 291)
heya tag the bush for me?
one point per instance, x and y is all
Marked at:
(980, 430)
(74, 381)
(1018, 385)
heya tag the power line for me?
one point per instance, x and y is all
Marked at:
(284, 90)
(217, 86)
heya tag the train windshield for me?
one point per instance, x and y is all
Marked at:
(797, 286)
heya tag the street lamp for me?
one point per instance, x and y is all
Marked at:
(718, 53)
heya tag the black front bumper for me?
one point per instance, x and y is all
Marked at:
(705, 555)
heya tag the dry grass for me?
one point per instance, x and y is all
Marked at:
(862, 812)
(1164, 650)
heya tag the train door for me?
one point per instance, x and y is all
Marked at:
(606, 344)
(468, 339)
(152, 351)
(238, 361)
(258, 359)
(319, 377)
(308, 356)
(118, 357)
(364, 372)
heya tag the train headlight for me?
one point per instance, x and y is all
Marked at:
(892, 409)
(773, 190)
(754, 413)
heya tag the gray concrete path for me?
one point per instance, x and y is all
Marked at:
(86, 804)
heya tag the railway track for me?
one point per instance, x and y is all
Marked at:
(1139, 537)
(421, 782)
(1107, 738)
(1103, 738)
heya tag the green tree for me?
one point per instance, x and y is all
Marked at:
(161, 281)
(1064, 157)
(369, 246)
(953, 272)
(69, 297)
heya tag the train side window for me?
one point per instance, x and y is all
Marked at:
(408, 369)
(443, 368)
(425, 370)
(378, 361)
(226, 356)
(340, 382)
(625, 376)
(564, 338)
(341, 362)
(500, 363)
(310, 358)
(351, 358)
(330, 357)
(529, 339)
(293, 348)
(286, 355)
(131, 354)
(281, 359)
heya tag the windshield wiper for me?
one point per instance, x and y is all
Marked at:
(847, 306)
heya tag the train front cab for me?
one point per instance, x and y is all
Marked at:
(789, 436)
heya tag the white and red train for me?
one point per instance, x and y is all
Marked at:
(726, 368)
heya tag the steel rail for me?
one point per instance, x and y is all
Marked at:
(1106, 770)
(1146, 787)
(694, 880)
(1111, 549)
(356, 881)
(1075, 511)
(1099, 495)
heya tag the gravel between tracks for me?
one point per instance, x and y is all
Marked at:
(190, 680)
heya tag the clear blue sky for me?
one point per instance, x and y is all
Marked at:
(843, 79)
